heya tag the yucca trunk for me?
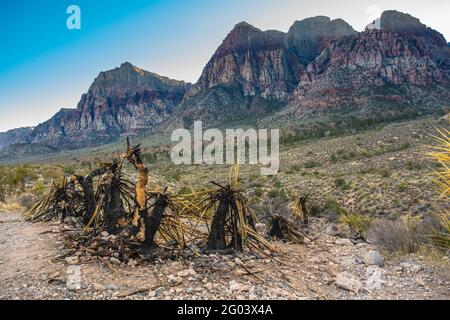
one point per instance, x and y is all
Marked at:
(88, 192)
(153, 222)
(216, 238)
(114, 206)
(276, 230)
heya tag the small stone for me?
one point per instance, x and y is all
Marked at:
(159, 292)
(343, 242)
(346, 281)
(74, 260)
(98, 287)
(373, 258)
(132, 263)
(152, 294)
(375, 278)
(420, 282)
(174, 279)
(104, 234)
(73, 281)
(114, 260)
(234, 286)
(252, 297)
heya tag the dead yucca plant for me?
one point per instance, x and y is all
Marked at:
(60, 202)
(113, 200)
(283, 229)
(299, 208)
(233, 223)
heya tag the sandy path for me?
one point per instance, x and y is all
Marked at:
(25, 248)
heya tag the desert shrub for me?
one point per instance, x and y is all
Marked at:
(402, 187)
(15, 177)
(311, 164)
(27, 200)
(342, 184)
(394, 236)
(385, 173)
(333, 158)
(258, 192)
(149, 157)
(39, 188)
(185, 190)
(2, 192)
(332, 210)
(69, 169)
(293, 169)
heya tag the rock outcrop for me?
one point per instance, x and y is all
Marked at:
(400, 68)
(14, 136)
(307, 38)
(256, 59)
(126, 100)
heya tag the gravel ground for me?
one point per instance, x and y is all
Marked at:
(328, 267)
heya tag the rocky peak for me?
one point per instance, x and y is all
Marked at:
(307, 38)
(257, 60)
(14, 136)
(124, 100)
(128, 77)
(399, 22)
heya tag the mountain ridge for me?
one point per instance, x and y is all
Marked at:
(319, 66)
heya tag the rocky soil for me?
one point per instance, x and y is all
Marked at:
(324, 267)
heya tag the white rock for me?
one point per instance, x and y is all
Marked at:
(114, 260)
(375, 278)
(237, 287)
(373, 258)
(73, 281)
(174, 279)
(343, 242)
(345, 280)
(74, 260)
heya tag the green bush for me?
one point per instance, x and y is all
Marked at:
(342, 184)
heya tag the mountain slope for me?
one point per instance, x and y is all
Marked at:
(398, 70)
(126, 100)
(255, 72)
(14, 136)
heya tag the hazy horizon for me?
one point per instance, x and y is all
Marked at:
(44, 66)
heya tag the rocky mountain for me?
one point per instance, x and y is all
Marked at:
(307, 38)
(126, 100)
(255, 72)
(14, 136)
(320, 67)
(398, 70)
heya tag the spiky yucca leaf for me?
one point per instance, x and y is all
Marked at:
(441, 154)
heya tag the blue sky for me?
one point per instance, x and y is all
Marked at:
(45, 66)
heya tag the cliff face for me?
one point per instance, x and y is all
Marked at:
(14, 136)
(403, 64)
(255, 72)
(307, 38)
(270, 63)
(257, 60)
(125, 100)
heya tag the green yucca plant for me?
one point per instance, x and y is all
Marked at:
(356, 222)
(441, 154)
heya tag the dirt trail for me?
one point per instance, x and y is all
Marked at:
(308, 271)
(25, 248)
